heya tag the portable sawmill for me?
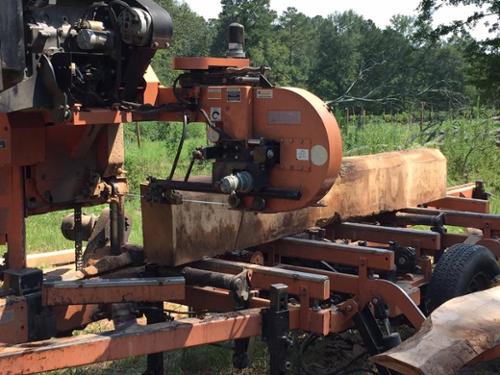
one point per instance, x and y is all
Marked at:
(285, 235)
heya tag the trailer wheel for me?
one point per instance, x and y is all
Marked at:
(462, 269)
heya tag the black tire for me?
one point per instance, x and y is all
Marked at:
(462, 269)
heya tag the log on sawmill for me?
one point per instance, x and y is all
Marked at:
(455, 334)
(203, 226)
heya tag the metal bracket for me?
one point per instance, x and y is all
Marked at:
(373, 338)
(275, 327)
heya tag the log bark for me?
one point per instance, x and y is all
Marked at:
(175, 235)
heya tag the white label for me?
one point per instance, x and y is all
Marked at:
(216, 114)
(319, 155)
(284, 118)
(302, 154)
(265, 94)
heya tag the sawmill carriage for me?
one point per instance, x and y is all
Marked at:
(285, 235)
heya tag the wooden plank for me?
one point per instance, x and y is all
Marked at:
(53, 258)
(454, 335)
(174, 235)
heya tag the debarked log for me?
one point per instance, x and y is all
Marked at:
(179, 234)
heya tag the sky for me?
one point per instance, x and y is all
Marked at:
(380, 11)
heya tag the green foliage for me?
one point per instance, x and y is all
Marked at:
(483, 56)
(192, 37)
(344, 58)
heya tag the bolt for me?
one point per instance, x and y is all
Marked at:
(270, 154)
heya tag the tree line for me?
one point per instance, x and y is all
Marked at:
(347, 59)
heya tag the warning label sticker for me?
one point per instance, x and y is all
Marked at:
(233, 95)
(214, 93)
(265, 94)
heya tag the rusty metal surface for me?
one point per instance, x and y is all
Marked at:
(375, 233)
(399, 301)
(83, 292)
(262, 277)
(13, 320)
(134, 341)
(334, 253)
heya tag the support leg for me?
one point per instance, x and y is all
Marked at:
(276, 323)
(155, 361)
(14, 206)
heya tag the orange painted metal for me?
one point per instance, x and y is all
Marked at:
(129, 342)
(334, 253)
(263, 277)
(69, 318)
(489, 224)
(309, 136)
(217, 300)
(492, 244)
(13, 320)
(205, 63)
(380, 234)
(365, 290)
(99, 116)
(61, 293)
(13, 180)
(461, 204)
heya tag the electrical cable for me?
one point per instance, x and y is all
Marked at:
(190, 168)
(180, 147)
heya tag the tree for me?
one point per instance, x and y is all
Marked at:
(483, 55)
(258, 19)
(192, 37)
(485, 8)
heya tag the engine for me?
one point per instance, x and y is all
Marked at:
(58, 53)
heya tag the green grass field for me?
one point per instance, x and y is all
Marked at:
(469, 145)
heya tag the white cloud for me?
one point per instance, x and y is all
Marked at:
(380, 11)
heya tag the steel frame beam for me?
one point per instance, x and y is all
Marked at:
(399, 300)
(129, 342)
(488, 223)
(461, 204)
(375, 233)
(262, 277)
(334, 253)
(85, 292)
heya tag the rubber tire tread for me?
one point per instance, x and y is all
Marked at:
(456, 268)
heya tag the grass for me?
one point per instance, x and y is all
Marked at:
(468, 144)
